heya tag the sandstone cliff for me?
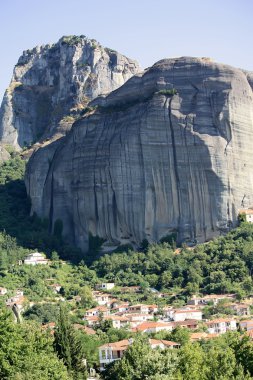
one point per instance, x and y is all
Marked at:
(51, 84)
(168, 152)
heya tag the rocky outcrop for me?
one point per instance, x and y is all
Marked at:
(51, 85)
(4, 154)
(168, 152)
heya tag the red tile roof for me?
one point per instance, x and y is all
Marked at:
(150, 325)
(123, 344)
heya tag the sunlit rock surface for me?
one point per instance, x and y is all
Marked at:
(51, 85)
(168, 152)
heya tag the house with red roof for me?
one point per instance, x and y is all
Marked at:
(202, 335)
(154, 327)
(246, 324)
(184, 314)
(221, 325)
(248, 212)
(110, 352)
(96, 311)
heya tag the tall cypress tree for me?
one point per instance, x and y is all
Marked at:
(68, 346)
(3, 262)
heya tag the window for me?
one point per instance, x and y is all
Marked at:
(118, 354)
(103, 354)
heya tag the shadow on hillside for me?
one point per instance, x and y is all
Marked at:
(29, 231)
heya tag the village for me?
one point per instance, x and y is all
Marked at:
(142, 318)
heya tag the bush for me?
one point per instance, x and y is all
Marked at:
(170, 92)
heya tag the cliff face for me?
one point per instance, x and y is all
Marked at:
(168, 152)
(51, 84)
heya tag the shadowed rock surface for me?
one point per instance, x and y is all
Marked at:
(168, 152)
(51, 85)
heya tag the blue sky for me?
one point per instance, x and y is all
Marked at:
(146, 30)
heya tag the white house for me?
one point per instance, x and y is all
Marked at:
(136, 319)
(240, 309)
(19, 293)
(55, 287)
(107, 285)
(3, 291)
(110, 352)
(246, 325)
(121, 307)
(35, 258)
(183, 314)
(248, 212)
(221, 325)
(96, 311)
(141, 309)
(101, 298)
(154, 327)
(213, 298)
(118, 321)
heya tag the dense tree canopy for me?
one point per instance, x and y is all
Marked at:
(223, 265)
(26, 353)
(228, 357)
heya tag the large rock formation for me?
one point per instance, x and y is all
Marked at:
(168, 152)
(51, 84)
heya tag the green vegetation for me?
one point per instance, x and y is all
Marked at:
(69, 347)
(169, 92)
(42, 313)
(26, 352)
(36, 280)
(29, 231)
(224, 265)
(72, 40)
(141, 362)
(227, 357)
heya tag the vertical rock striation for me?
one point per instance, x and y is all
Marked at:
(51, 84)
(168, 152)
